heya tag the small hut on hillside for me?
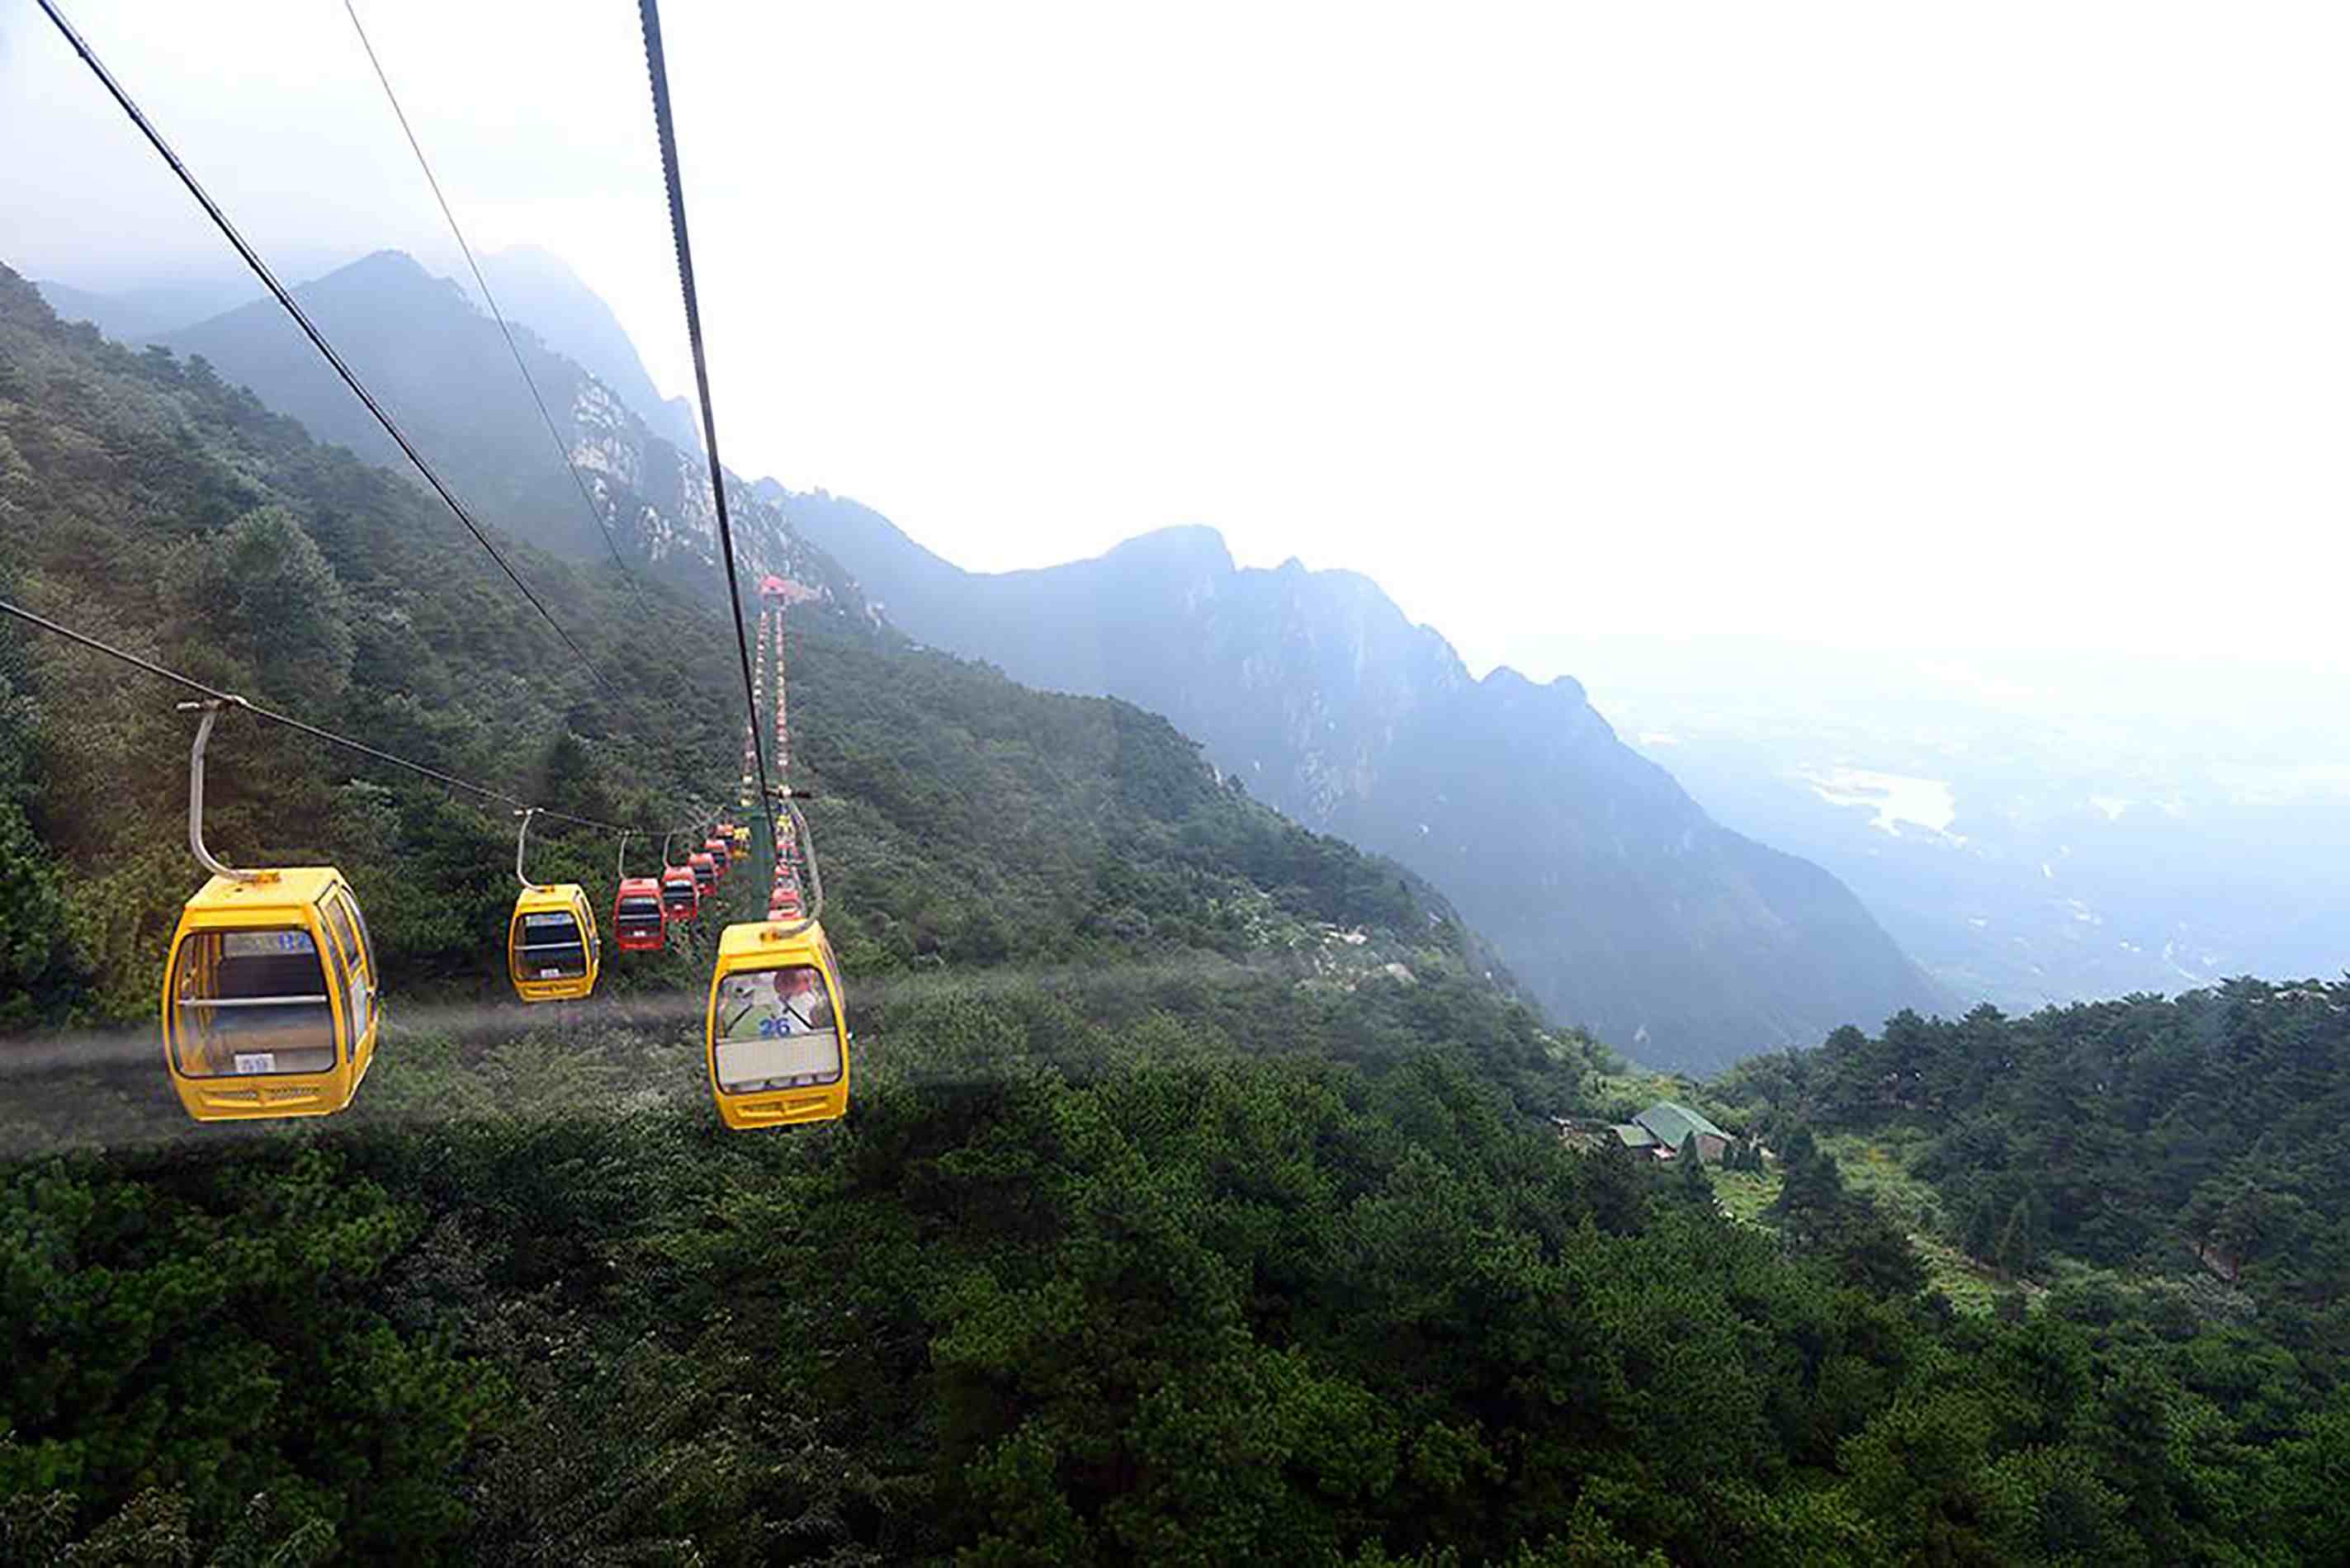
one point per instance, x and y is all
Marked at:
(1657, 1132)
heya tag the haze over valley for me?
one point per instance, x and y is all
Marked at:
(2032, 828)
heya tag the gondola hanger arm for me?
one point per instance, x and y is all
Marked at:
(522, 843)
(210, 708)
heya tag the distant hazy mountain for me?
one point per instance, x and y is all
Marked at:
(1604, 886)
(442, 368)
(138, 314)
(2033, 828)
(535, 285)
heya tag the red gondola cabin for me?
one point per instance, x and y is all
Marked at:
(639, 923)
(681, 893)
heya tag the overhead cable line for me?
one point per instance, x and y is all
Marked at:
(562, 447)
(301, 318)
(361, 747)
(657, 68)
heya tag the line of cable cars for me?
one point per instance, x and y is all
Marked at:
(271, 1003)
(553, 952)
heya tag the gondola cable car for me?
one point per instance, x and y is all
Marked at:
(270, 988)
(640, 923)
(776, 1031)
(776, 1034)
(680, 894)
(680, 899)
(553, 950)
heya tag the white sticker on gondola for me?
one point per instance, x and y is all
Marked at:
(262, 944)
(256, 1062)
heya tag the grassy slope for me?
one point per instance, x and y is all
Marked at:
(1876, 1166)
(1879, 1167)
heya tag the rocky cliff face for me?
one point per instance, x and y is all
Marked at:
(537, 286)
(443, 369)
(1604, 886)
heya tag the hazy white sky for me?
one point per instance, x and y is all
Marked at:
(1977, 325)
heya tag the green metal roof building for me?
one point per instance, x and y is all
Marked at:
(1657, 1132)
(1670, 1124)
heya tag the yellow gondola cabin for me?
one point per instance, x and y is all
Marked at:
(777, 1036)
(269, 996)
(553, 950)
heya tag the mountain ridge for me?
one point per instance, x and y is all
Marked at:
(535, 285)
(1607, 889)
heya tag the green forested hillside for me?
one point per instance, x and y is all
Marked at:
(2205, 1136)
(143, 501)
(1170, 1222)
(1071, 1285)
(964, 819)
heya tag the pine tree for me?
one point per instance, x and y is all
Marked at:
(1814, 1186)
(1981, 1237)
(2017, 1244)
(1693, 1178)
